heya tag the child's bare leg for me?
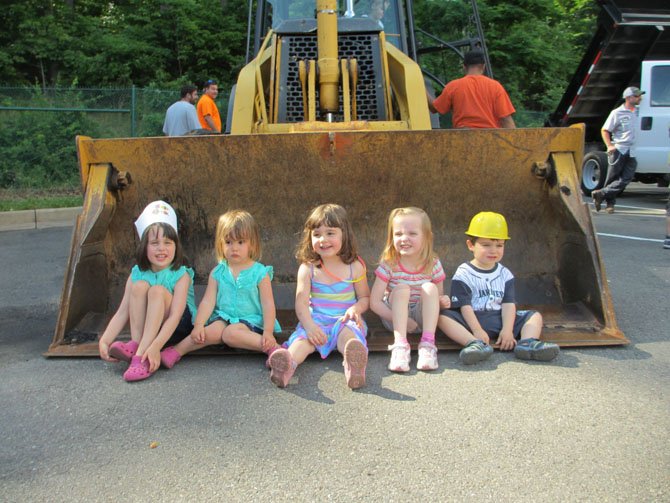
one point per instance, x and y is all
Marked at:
(300, 350)
(399, 300)
(213, 334)
(345, 336)
(238, 335)
(137, 309)
(158, 307)
(430, 310)
(533, 327)
(455, 331)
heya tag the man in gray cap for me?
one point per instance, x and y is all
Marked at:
(618, 133)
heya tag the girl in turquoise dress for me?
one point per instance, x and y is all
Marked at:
(158, 300)
(331, 296)
(238, 308)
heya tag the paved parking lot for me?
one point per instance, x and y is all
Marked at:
(592, 426)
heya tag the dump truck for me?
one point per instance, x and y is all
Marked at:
(630, 47)
(332, 108)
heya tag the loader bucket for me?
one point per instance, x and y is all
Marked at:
(529, 175)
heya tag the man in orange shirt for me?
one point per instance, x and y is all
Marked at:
(476, 101)
(208, 113)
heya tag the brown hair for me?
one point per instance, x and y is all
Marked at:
(330, 215)
(390, 254)
(234, 225)
(169, 233)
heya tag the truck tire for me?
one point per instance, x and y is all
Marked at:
(594, 172)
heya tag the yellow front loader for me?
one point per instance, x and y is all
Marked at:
(332, 109)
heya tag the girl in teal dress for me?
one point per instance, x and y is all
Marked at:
(158, 300)
(238, 308)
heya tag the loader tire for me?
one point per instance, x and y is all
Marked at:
(594, 172)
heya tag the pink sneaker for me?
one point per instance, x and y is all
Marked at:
(269, 353)
(169, 357)
(400, 357)
(138, 370)
(427, 356)
(355, 361)
(283, 367)
(123, 351)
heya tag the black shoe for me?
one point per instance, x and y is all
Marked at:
(598, 199)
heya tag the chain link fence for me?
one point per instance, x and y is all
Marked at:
(38, 127)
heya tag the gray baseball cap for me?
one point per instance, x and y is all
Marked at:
(632, 91)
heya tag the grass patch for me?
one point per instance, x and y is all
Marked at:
(31, 199)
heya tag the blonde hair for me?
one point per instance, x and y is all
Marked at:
(330, 215)
(427, 255)
(234, 225)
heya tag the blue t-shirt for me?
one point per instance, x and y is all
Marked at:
(167, 278)
(239, 299)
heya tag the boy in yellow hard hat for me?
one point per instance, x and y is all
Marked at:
(483, 306)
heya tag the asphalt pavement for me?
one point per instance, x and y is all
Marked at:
(592, 426)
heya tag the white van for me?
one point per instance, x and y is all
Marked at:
(652, 146)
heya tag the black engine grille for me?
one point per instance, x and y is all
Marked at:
(369, 91)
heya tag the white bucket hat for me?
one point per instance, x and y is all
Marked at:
(158, 211)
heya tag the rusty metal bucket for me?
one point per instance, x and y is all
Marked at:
(529, 175)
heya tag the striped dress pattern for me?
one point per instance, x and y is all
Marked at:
(328, 303)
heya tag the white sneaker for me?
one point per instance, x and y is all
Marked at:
(400, 358)
(427, 357)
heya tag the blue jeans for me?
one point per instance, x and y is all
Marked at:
(620, 172)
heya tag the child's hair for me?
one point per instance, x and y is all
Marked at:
(330, 215)
(234, 225)
(390, 254)
(168, 232)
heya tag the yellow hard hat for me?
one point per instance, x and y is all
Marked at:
(487, 224)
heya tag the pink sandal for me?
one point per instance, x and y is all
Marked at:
(138, 370)
(123, 351)
(169, 357)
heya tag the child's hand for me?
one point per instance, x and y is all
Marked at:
(352, 314)
(445, 302)
(316, 336)
(268, 341)
(198, 334)
(481, 335)
(154, 356)
(506, 341)
(103, 348)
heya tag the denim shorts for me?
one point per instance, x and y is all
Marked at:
(183, 330)
(251, 327)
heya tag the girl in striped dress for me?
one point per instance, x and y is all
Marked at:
(409, 288)
(331, 296)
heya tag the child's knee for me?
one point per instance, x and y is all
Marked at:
(536, 319)
(429, 290)
(157, 292)
(139, 288)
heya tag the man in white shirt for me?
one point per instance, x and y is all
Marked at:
(618, 133)
(181, 118)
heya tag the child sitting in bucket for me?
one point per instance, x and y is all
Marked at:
(158, 299)
(238, 307)
(483, 305)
